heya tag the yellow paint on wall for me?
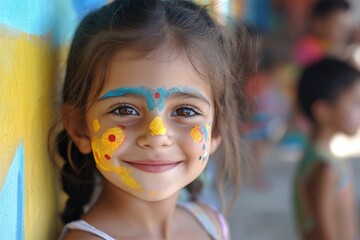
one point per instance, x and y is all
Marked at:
(157, 127)
(26, 72)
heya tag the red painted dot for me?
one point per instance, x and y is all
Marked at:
(157, 95)
(112, 138)
(107, 157)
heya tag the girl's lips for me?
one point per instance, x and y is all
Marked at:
(153, 166)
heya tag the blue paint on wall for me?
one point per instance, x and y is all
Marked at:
(84, 7)
(41, 17)
(75, 10)
(12, 199)
(27, 16)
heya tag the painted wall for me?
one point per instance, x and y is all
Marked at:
(33, 34)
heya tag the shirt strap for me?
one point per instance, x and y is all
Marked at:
(84, 226)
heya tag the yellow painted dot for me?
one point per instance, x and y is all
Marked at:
(153, 193)
(196, 134)
(96, 125)
(157, 127)
(105, 147)
(112, 138)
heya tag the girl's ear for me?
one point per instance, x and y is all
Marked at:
(321, 111)
(75, 125)
(215, 141)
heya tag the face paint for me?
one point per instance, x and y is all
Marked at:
(196, 134)
(155, 98)
(205, 131)
(125, 176)
(199, 134)
(105, 147)
(157, 127)
(205, 156)
(153, 193)
(96, 125)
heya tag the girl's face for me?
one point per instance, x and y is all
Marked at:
(346, 115)
(336, 27)
(151, 125)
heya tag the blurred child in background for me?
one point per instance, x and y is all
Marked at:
(327, 32)
(269, 114)
(329, 96)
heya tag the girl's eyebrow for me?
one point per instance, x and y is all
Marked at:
(155, 97)
(126, 91)
(190, 94)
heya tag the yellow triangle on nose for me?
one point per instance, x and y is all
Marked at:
(157, 127)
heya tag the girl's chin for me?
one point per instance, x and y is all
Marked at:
(155, 196)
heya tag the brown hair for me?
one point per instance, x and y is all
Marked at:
(145, 25)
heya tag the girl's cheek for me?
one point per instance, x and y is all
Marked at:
(105, 146)
(353, 119)
(200, 138)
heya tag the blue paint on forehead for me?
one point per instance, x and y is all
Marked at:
(149, 94)
(144, 92)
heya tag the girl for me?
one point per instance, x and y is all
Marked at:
(329, 95)
(149, 94)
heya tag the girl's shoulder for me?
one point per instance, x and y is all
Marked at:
(82, 230)
(209, 218)
(80, 235)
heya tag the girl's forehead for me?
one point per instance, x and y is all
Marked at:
(160, 68)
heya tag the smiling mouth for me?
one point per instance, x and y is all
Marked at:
(153, 166)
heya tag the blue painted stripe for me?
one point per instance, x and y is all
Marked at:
(20, 197)
(205, 132)
(144, 92)
(12, 199)
(149, 94)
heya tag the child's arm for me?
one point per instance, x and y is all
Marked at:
(322, 189)
(349, 221)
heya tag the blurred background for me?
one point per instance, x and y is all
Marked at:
(276, 131)
(34, 40)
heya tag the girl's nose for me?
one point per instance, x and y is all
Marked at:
(155, 135)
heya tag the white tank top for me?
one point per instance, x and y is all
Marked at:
(195, 210)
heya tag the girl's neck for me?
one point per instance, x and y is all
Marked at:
(323, 135)
(143, 217)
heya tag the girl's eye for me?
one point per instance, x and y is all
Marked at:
(185, 112)
(125, 110)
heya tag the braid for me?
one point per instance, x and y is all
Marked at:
(194, 189)
(78, 177)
